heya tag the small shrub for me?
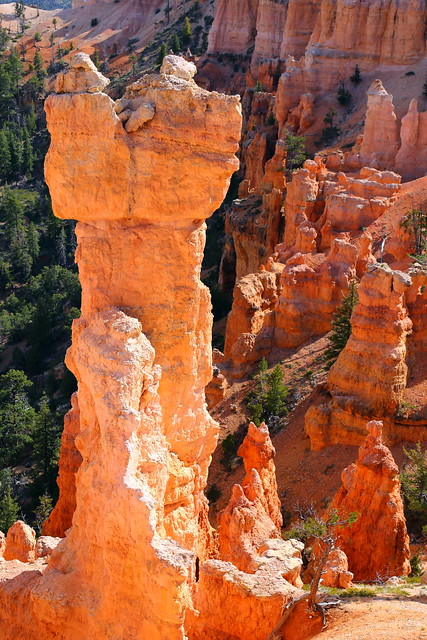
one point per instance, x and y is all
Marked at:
(416, 568)
(94, 22)
(258, 87)
(37, 36)
(409, 73)
(271, 120)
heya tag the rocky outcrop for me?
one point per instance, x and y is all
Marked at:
(325, 245)
(141, 354)
(257, 569)
(234, 27)
(70, 459)
(377, 544)
(253, 514)
(381, 136)
(20, 543)
(411, 159)
(370, 376)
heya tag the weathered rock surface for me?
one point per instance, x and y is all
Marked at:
(253, 514)
(142, 359)
(20, 543)
(70, 459)
(381, 136)
(370, 376)
(377, 544)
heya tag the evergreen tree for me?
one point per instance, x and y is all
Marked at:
(186, 31)
(9, 510)
(341, 325)
(45, 442)
(39, 68)
(296, 153)
(33, 241)
(163, 51)
(17, 416)
(95, 58)
(356, 77)
(414, 486)
(277, 392)
(11, 212)
(343, 96)
(5, 158)
(175, 44)
(27, 153)
(268, 397)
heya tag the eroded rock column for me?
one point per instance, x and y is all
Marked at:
(141, 176)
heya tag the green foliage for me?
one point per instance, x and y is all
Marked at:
(414, 487)
(17, 416)
(415, 223)
(95, 58)
(45, 442)
(343, 96)
(341, 324)
(331, 131)
(268, 398)
(296, 153)
(163, 51)
(37, 36)
(9, 510)
(416, 567)
(175, 43)
(94, 22)
(258, 87)
(186, 31)
(356, 78)
(42, 511)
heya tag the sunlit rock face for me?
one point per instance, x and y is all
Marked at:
(140, 175)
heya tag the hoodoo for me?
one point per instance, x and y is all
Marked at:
(141, 353)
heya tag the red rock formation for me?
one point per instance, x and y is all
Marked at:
(142, 358)
(370, 375)
(381, 135)
(253, 514)
(20, 543)
(411, 159)
(233, 29)
(336, 573)
(69, 462)
(377, 543)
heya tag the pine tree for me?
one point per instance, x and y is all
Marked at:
(33, 241)
(9, 510)
(39, 67)
(277, 392)
(341, 325)
(45, 441)
(17, 416)
(95, 58)
(11, 212)
(5, 158)
(176, 44)
(414, 486)
(186, 31)
(163, 51)
(27, 153)
(356, 77)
